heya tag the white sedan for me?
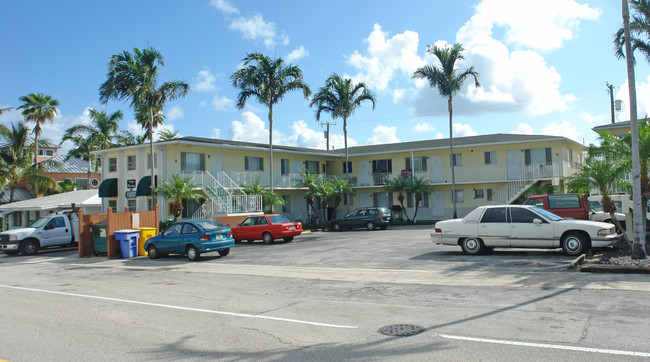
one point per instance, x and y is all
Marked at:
(522, 226)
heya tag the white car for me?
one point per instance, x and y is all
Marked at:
(522, 226)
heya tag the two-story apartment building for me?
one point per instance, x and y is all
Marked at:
(488, 169)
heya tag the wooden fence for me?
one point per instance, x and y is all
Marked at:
(115, 221)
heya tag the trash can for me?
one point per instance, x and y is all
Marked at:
(128, 239)
(99, 237)
(145, 234)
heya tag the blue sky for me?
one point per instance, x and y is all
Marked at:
(543, 65)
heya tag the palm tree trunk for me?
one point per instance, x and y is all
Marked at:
(89, 172)
(271, 149)
(37, 132)
(347, 165)
(153, 198)
(638, 247)
(451, 158)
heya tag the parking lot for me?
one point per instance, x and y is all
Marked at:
(321, 297)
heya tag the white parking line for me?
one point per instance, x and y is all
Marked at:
(548, 346)
(41, 260)
(232, 314)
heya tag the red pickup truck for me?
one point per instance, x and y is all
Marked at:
(568, 206)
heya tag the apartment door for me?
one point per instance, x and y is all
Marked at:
(364, 199)
(436, 169)
(514, 164)
(438, 204)
(364, 175)
(217, 164)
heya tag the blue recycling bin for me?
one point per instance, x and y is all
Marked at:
(128, 239)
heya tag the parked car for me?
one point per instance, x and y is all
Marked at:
(569, 206)
(521, 226)
(364, 217)
(193, 238)
(60, 229)
(597, 213)
(267, 228)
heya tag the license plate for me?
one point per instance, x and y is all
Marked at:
(292, 228)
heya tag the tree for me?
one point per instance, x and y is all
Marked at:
(340, 97)
(166, 135)
(417, 186)
(446, 78)
(268, 81)
(341, 187)
(269, 197)
(134, 77)
(310, 182)
(639, 29)
(400, 185)
(178, 188)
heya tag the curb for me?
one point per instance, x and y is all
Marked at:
(608, 268)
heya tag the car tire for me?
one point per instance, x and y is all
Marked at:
(224, 252)
(472, 246)
(336, 226)
(267, 238)
(29, 247)
(574, 244)
(152, 252)
(288, 239)
(193, 253)
(370, 226)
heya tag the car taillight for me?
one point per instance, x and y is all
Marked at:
(381, 217)
(438, 230)
(204, 238)
(230, 234)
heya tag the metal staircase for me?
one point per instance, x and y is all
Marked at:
(224, 196)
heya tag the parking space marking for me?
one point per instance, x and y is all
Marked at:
(41, 260)
(201, 310)
(547, 346)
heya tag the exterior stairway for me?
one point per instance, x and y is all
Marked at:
(223, 196)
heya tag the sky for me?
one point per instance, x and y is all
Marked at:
(543, 65)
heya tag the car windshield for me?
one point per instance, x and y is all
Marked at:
(278, 219)
(210, 225)
(547, 214)
(39, 222)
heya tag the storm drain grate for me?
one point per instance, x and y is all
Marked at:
(401, 330)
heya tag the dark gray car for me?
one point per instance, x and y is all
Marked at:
(364, 217)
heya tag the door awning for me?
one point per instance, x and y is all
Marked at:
(144, 186)
(108, 188)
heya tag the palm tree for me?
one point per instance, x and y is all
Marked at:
(269, 198)
(340, 97)
(134, 76)
(449, 81)
(310, 182)
(639, 27)
(166, 135)
(341, 187)
(268, 80)
(178, 188)
(418, 186)
(400, 185)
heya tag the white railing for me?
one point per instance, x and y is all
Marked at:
(224, 195)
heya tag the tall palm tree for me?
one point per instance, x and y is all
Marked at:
(340, 97)
(639, 31)
(341, 187)
(166, 135)
(134, 77)
(400, 185)
(178, 188)
(418, 186)
(268, 81)
(449, 81)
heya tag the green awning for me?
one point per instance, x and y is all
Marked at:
(108, 188)
(144, 186)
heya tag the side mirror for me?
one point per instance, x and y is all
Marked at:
(537, 222)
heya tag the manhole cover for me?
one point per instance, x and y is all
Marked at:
(401, 330)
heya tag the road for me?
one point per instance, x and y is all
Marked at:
(323, 296)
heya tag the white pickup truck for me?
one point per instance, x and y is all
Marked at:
(61, 229)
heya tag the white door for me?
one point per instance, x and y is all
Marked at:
(55, 232)
(514, 164)
(364, 175)
(364, 199)
(217, 164)
(436, 169)
(525, 233)
(298, 202)
(438, 204)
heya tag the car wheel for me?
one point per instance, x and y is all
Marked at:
(193, 253)
(224, 252)
(267, 238)
(29, 247)
(336, 226)
(383, 227)
(370, 225)
(574, 244)
(288, 238)
(152, 251)
(472, 246)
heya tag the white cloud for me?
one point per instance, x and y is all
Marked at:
(337, 141)
(256, 27)
(250, 129)
(564, 129)
(463, 130)
(642, 100)
(303, 136)
(175, 113)
(137, 130)
(204, 82)
(423, 127)
(216, 133)
(297, 54)
(224, 6)
(399, 95)
(523, 128)
(222, 103)
(383, 135)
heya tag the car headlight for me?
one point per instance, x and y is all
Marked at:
(604, 232)
(13, 237)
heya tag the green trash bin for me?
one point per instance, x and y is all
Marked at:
(100, 237)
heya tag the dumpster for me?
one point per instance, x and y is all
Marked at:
(128, 239)
(99, 237)
(145, 234)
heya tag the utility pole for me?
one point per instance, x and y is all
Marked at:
(610, 90)
(327, 133)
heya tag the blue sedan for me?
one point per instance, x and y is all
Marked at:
(193, 238)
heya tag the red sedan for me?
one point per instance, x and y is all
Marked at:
(266, 228)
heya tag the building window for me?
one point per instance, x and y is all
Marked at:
(18, 218)
(420, 164)
(131, 204)
(49, 152)
(112, 164)
(491, 194)
(491, 158)
(479, 193)
(287, 202)
(312, 167)
(40, 152)
(345, 199)
(113, 204)
(460, 197)
(191, 162)
(155, 161)
(284, 166)
(82, 183)
(458, 159)
(347, 169)
(382, 166)
(253, 163)
(94, 182)
(130, 163)
(423, 203)
(538, 156)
